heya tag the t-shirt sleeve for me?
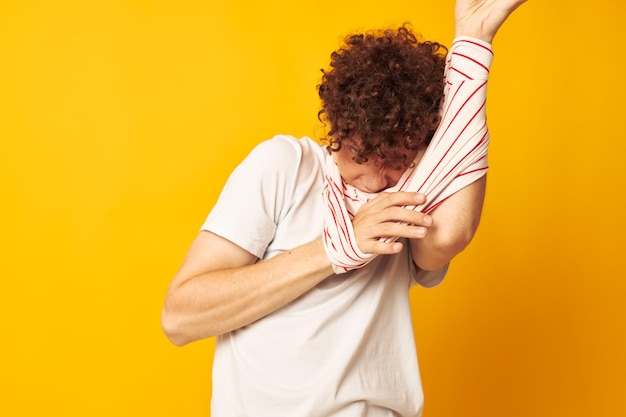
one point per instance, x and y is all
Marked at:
(427, 279)
(255, 196)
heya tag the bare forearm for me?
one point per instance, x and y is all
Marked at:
(223, 300)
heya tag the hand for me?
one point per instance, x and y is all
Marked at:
(382, 217)
(482, 18)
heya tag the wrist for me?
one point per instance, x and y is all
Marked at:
(475, 32)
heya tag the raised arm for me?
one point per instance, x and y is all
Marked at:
(455, 220)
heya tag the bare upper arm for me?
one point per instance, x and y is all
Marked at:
(460, 213)
(455, 222)
(210, 252)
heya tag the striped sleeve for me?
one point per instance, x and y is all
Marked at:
(457, 154)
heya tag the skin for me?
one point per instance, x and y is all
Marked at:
(221, 287)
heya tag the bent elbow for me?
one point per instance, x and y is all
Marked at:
(182, 329)
(173, 329)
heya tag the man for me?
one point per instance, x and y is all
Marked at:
(303, 267)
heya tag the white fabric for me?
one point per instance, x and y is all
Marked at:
(270, 203)
(456, 156)
(345, 348)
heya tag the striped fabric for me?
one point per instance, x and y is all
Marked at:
(456, 156)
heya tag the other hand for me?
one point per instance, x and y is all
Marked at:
(482, 18)
(386, 216)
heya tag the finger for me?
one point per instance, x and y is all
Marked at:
(399, 198)
(393, 230)
(403, 215)
(379, 247)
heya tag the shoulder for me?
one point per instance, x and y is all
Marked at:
(286, 155)
(286, 148)
(276, 176)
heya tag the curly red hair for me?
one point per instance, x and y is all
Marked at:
(382, 94)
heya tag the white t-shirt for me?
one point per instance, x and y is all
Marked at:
(345, 348)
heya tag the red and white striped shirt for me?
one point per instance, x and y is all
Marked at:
(455, 157)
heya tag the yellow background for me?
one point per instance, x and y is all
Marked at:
(120, 121)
